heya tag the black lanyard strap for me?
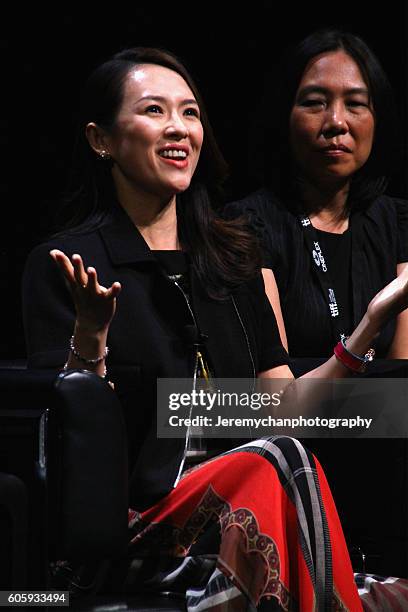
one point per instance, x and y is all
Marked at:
(325, 281)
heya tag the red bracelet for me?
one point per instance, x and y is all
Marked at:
(353, 362)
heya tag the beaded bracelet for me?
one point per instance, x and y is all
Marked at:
(353, 362)
(78, 356)
(103, 375)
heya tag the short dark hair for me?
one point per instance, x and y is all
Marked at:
(278, 164)
(223, 252)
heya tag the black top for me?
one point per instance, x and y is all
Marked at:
(175, 265)
(379, 240)
(173, 262)
(147, 337)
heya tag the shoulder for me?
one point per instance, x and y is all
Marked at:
(400, 206)
(253, 292)
(386, 223)
(386, 207)
(252, 286)
(41, 271)
(68, 243)
(265, 213)
(262, 203)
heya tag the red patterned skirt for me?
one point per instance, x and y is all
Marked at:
(255, 528)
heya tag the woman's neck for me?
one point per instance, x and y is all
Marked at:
(154, 217)
(328, 206)
(160, 232)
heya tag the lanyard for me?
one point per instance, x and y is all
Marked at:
(326, 283)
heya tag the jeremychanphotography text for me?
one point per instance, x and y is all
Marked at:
(269, 421)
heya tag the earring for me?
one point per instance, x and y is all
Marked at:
(104, 154)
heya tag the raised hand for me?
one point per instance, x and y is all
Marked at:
(95, 305)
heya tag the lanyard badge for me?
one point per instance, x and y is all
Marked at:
(322, 272)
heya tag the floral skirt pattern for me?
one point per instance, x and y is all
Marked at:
(255, 528)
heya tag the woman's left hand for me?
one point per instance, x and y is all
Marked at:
(390, 301)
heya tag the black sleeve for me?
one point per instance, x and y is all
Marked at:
(402, 221)
(48, 310)
(259, 211)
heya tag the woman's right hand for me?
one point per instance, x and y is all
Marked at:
(95, 305)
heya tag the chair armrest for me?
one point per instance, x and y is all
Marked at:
(92, 486)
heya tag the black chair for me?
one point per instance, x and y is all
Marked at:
(13, 532)
(64, 481)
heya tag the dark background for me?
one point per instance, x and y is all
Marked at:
(229, 50)
(47, 55)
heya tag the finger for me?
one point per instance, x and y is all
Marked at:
(113, 290)
(81, 276)
(93, 282)
(64, 264)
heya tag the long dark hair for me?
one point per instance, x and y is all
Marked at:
(223, 252)
(279, 168)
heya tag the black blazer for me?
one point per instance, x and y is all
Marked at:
(147, 337)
